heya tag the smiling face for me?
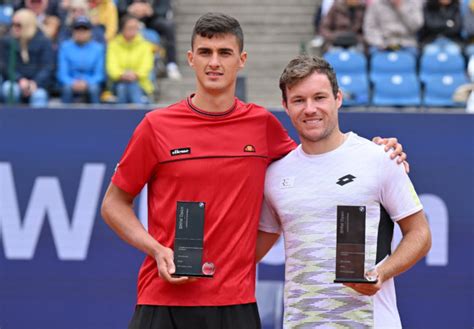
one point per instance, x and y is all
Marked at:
(216, 62)
(313, 110)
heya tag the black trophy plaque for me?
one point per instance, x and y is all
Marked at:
(188, 242)
(350, 247)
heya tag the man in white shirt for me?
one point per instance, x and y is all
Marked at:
(303, 191)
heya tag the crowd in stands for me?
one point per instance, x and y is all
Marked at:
(85, 50)
(113, 50)
(403, 45)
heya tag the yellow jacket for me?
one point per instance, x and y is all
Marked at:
(105, 12)
(136, 56)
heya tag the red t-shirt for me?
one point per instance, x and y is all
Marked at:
(186, 154)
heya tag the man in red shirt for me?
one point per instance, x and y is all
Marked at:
(210, 148)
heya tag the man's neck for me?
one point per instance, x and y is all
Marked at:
(213, 102)
(325, 145)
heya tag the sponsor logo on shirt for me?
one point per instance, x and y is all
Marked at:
(345, 180)
(287, 182)
(249, 148)
(181, 151)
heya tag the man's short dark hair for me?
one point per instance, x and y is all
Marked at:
(303, 66)
(212, 24)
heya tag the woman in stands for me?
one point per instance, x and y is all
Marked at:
(130, 63)
(27, 61)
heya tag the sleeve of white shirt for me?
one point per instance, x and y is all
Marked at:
(397, 194)
(269, 221)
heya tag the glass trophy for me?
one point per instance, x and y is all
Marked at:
(189, 241)
(350, 247)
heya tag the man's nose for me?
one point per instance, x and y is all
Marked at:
(310, 107)
(214, 60)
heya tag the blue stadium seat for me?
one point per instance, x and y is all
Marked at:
(351, 70)
(439, 90)
(442, 44)
(440, 64)
(6, 13)
(396, 90)
(347, 61)
(387, 63)
(355, 88)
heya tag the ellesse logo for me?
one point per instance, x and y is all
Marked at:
(249, 148)
(181, 151)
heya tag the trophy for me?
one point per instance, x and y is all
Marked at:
(350, 247)
(188, 242)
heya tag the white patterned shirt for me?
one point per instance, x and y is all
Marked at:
(302, 193)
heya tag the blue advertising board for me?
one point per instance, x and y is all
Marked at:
(62, 267)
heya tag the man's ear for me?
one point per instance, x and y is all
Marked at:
(339, 98)
(243, 59)
(285, 106)
(190, 56)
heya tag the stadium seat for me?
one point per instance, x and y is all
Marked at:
(387, 63)
(355, 88)
(351, 70)
(347, 61)
(439, 90)
(396, 90)
(440, 45)
(441, 64)
(6, 13)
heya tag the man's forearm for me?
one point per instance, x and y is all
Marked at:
(415, 244)
(122, 219)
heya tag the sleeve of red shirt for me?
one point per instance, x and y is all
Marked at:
(139, 160)
(279, 142)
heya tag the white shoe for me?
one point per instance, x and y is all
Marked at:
(172, 71)
(317, 42)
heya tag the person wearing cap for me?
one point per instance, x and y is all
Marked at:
(75, 9)
(81, 64)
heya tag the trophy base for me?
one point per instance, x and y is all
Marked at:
(355, 281)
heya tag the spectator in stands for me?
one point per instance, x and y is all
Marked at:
(81, 64)
(321, 12)
(29, 71)
(104, 13)
(76, 9)
(158, 16)
(393, 24)
(130, 63)
(342, 26)
(468, 26)
(442, 25)
(47, 17)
